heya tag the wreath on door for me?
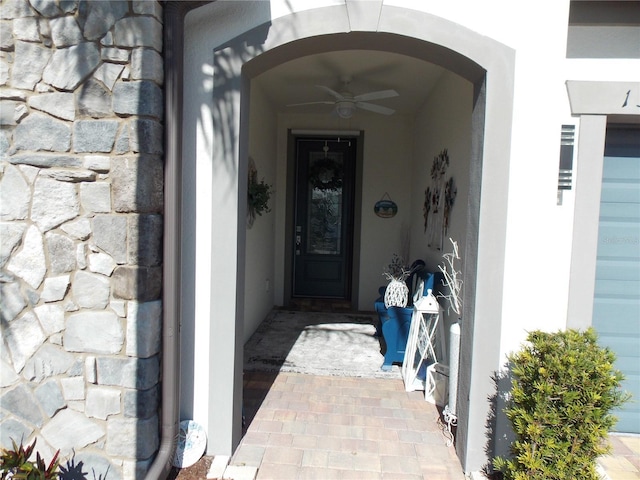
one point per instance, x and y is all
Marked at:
(325, 174)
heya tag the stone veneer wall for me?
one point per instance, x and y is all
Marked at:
(81, 193)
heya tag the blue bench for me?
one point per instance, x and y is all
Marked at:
(395, 322)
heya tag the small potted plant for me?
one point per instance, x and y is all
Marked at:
(258, 195)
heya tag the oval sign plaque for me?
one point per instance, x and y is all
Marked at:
(385, 208)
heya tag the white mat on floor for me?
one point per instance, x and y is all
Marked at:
(319, 344)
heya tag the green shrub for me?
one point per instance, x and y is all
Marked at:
(563, 390)
(15, 464)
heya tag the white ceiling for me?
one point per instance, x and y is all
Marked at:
(294, 81)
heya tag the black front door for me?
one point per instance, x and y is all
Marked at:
(323, 230)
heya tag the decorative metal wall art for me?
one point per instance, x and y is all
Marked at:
(439, 198)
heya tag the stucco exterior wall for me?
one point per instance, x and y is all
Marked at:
(260, 248)
(81, 195)
(444, 122)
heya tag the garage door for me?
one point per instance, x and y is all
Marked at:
(616, 312)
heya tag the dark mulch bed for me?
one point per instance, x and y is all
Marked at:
(197, 471)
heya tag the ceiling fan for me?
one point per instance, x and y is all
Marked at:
(346, 102)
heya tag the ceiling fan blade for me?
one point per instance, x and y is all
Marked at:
(331, 92)
(376, 95)
(372, 107)
(324, 102)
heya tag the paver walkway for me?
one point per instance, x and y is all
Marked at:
(315, 427)
(624, 461)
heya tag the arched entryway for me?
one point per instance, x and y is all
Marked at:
(220, 39)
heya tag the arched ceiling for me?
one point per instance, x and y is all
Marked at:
(370, 70)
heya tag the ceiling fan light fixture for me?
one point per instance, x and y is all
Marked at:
(345, 109)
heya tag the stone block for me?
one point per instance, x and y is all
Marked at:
(93, 332)
(94, 135)
(72, 176)
(145, 240)
(95, 197)
(20, 112)
(46, 160)
(62, 253)
(137, 283)
(97, 163)
(50, 397)
(102, 402)
(137, 98)
(137, 184)
(115, 55)
(6, 35)
(77, 369)
(21, 403)
(7, 376)
(145, 7)
(26, 29)
(55, 288)
(139, 373)
(123, 144)
(99, 466)
(11, 235)
(120, 307)
(46, 8)
(29, 70)
(42, 132)
(14, 195)
(15, 9)
(94, 100)
(70, 66)
(5, 137)
(12, 429)
(65, 31)
(73, 388)
(79, 229)
(101, 16)
(69, 430)
(144, 326)
(13, 301)
(110, 236)
(51, 316)
(54, 203)
(108, 73)
(48, 361)
(147, 64)
(141, 403)
(68, 6)
(101, 263)
(136, 469)
(59, 104)
(132, 438)
(8, 112)
(138, 32)
(107, 40)
(30, 263)
(90, 290)
(23, 337)
(45, 31)
(81, 256)
(146, 136)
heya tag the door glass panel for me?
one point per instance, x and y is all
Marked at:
(324, 216)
